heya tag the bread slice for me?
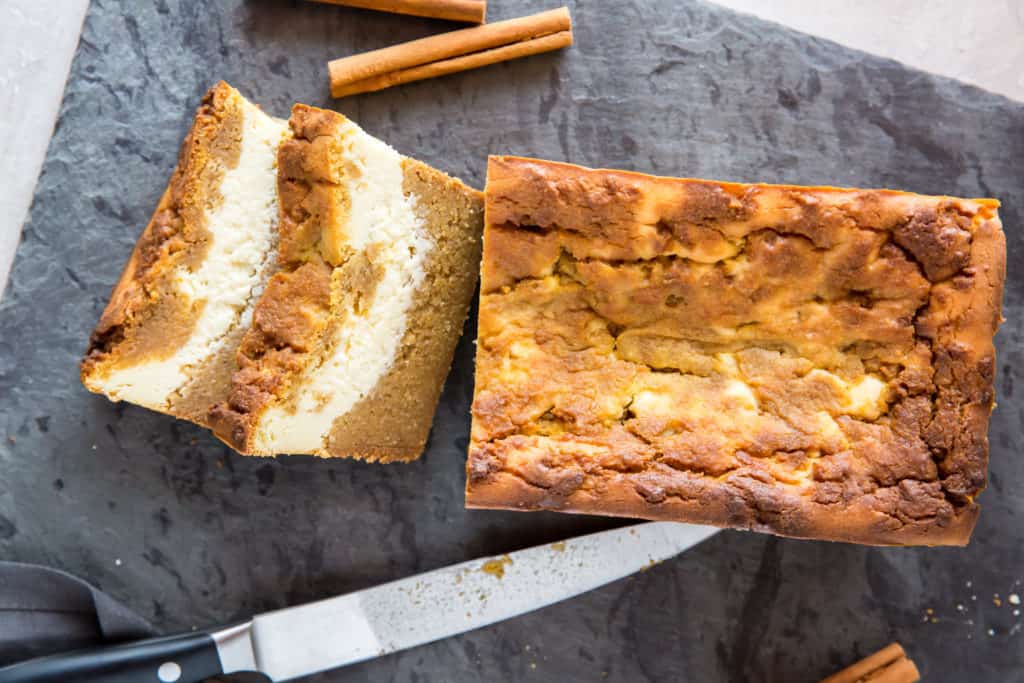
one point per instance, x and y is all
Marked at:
(167, 338)
(351, 341)
(300, 288)
(807, 361)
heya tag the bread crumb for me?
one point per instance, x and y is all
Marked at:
(496, 567)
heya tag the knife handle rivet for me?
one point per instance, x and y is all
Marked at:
(168, 672)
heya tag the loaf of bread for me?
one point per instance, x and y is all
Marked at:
(807, 361)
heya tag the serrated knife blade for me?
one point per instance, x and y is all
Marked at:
(420, 609)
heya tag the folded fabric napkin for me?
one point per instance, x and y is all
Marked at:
(44, 611)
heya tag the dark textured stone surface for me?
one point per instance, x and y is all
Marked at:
(166, 519)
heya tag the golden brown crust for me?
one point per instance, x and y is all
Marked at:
(284, 338)
(741, 503)
(374, 429)
(144, 319)
(313, 199)
(812, 362)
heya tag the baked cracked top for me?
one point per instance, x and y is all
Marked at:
(807, 361)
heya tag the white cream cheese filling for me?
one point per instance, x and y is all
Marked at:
(366, 344)
(243, 231)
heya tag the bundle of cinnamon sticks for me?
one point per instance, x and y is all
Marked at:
(888, 665)
(450, 52)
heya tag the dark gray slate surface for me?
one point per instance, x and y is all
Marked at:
(169, 521)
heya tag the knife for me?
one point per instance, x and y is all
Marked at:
(350, 628)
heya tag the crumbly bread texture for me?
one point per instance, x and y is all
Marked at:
(333, 285)
(165, 334)
(812, 362)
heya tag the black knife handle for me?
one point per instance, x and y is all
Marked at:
(188, 658)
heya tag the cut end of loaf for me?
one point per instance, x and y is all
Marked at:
(337, 361)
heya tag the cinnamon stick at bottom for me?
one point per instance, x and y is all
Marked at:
(525, 48)
(470, 11)
(888, 665)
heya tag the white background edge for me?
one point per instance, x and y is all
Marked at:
(38, 39)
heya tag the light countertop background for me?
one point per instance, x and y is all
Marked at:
(977, 42)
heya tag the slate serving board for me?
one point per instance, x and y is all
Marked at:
(166, 519)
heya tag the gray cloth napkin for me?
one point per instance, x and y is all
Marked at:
(44, 611)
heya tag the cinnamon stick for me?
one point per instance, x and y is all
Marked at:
(449, 66)
(451, 52)
(470, 11)
(888, 665)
